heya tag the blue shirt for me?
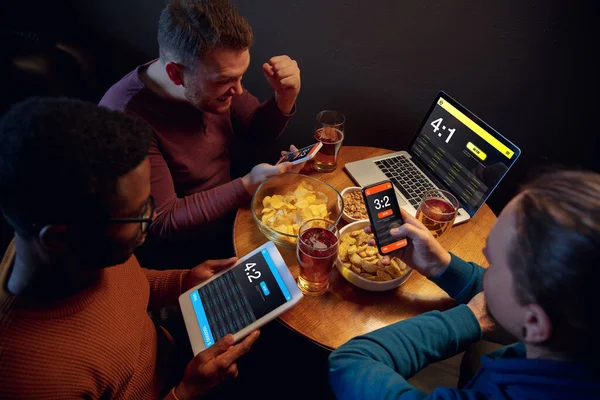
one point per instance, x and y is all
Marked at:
(377, 365)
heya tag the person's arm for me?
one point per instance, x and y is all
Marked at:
(261, 122)
(377, 365)
(165, 286)
(461, 280)
(181, 215)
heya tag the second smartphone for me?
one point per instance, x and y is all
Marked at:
(384, 215)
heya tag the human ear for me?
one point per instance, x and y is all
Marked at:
(537, 327)
(175, 73)
(54, 237)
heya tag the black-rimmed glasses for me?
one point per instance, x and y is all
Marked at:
(146, 218)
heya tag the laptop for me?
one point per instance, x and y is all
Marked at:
(453, 150)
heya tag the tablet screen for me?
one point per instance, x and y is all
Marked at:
(239, 297)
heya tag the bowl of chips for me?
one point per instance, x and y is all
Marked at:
(282, 203)
(354, 205)
(361, 264)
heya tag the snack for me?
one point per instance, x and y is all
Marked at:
(365, 260)
(286, 212)
(354, 205)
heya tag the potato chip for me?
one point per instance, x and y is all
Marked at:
(363, 238)
(277, 201)
(398, 264)
(384, 275)
(286, 212)
(365, 260)
(371, 251)
(371, 277)
(301, 203)
(301, 192)
(393, 271)
(352, 249)
(356, 233)
(289, 198)
(368, 267)
(355, 259)
(266, 201)
(265, 218)
(281, 228)
(350, 240)
(343, 251)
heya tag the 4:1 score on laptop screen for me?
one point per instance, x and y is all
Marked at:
(465, 156)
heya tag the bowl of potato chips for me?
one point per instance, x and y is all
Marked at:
(282, 203)
(361, 264)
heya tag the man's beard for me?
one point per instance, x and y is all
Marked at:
(190, 94)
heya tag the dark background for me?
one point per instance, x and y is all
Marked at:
(524, 66)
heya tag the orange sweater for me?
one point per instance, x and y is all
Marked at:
(100, 343)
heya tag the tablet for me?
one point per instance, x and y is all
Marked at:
(240, 299)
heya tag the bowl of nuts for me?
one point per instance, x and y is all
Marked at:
(354, 205)
(360, 264)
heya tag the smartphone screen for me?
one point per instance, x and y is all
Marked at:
(297, 156)
(384, 214)
(239, 297)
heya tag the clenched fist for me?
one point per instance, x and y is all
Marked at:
(283, 75)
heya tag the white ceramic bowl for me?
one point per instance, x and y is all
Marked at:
(356, 280)
(345, 216)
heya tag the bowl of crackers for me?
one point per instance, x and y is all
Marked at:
(361, 264)
(353, 208)
(282, 203)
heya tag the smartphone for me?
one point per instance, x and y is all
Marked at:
(240, 299)
(302, 155)
(384, 215)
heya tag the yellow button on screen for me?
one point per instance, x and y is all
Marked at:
(475, 150)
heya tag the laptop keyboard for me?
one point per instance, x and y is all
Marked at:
(409, 180)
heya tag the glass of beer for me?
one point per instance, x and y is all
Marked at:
(437, 211)
(330, 132)
(317, 250)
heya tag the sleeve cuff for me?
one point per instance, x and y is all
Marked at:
(182, 279)
(272, 102)
(455, 278)
(466, 323)
(241, 193)
(291, 113)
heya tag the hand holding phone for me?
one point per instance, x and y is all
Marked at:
(423, 252)
(384, 215)
(302, 155)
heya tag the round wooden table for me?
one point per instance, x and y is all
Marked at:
(346, 311)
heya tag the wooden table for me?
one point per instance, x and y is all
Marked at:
(346, 311)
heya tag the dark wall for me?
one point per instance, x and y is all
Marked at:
(523, 66)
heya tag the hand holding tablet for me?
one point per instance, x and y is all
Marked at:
(240, 299)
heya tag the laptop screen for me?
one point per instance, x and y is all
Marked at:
(464, 153)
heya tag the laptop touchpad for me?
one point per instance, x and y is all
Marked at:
(401, 201)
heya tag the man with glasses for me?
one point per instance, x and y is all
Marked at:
(75, 185)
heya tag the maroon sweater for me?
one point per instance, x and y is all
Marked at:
(189, 154)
